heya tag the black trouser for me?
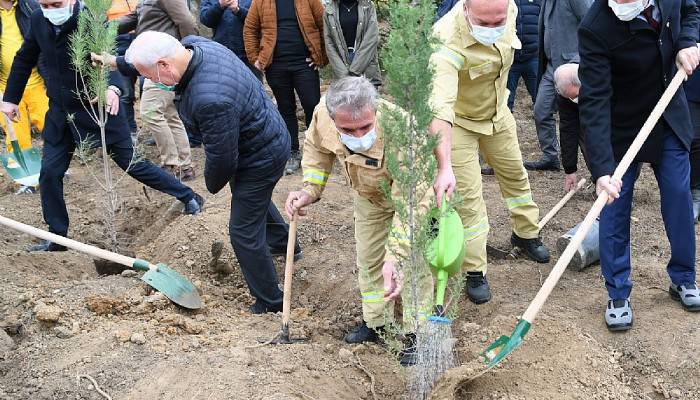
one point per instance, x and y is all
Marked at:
(56, 159)
(695, 146)
(256, 227)
(128, 96)
(286, 78)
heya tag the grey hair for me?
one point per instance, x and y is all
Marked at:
(566, 75)
(352, 92)
(149, 47)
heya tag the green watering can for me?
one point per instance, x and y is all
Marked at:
(445, 254)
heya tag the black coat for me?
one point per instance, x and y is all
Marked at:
(61, 82)
(227, 26)
(527, 27)
(221, 100)
(625, 67)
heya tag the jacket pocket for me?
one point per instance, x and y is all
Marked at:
(481, 70)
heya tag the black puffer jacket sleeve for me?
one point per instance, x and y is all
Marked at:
(219, 126)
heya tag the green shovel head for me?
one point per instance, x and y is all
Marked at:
(174, 286)
(505, 345)
(23, 166)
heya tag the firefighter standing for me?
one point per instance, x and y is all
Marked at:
(470, 100)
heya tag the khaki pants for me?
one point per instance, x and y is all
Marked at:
(500, 151)
(32, 110)
(372, 225)
(159, 117)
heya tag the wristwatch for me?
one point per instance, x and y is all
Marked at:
(115, 89)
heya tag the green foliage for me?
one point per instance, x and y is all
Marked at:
(408, 145)
(93, 35)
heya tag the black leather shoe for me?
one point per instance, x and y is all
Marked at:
(408, 355)
(534, 248)
(194, 206)
(46, 245)
(298, 255)
(542, 165)
(363, 333)
(261, 308)
(478, 290)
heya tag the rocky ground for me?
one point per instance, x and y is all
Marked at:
(64, 325)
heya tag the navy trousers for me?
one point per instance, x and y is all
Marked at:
(56, 159)
(673, 177)
(526, 70)
(256, 228)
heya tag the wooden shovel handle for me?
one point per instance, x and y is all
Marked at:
(289, 271)
(602, 199)
(561, 204)
(70, 243)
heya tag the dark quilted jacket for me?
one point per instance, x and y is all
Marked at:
(220, 99)
(527, 27)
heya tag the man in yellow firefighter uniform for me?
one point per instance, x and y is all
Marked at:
(477, 41)
(345, 128)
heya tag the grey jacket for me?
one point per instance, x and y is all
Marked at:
(366, 61)
(560, 39)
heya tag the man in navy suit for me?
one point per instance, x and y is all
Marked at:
(629, 51)
(49, 36)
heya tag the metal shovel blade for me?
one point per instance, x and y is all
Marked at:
(283, 337)
(505, 345)
(23, 166)
(174, 286)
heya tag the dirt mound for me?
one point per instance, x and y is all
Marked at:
(138, 345)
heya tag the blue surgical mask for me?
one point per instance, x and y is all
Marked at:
(361, 144)
(486, 35)
(58, 16)
(163, 86)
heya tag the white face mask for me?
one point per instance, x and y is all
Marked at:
(361, 144)
(58, 16)
(486, 35)
(627, 11)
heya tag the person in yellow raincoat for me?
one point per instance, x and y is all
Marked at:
(14, 23)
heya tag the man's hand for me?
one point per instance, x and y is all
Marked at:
(258, 65)
(11, 110)
(445, 183)
(688, 59)
(104, 59)
(233, 5)
(392, 281)
(311, 64)
(570, 182)
(296, 201)
(224, 3)
(112, 102)
(610, 185)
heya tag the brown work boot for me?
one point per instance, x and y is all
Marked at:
(187, 174)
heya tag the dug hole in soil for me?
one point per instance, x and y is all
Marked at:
(61, 320)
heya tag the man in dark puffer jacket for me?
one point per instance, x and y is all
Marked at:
(245, 141)
(525, 63)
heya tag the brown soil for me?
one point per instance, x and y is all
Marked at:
(137, 345)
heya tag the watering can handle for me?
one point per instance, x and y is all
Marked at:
(441, 232)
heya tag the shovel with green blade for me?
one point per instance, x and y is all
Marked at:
(505, 345)
(160, 277)
(22, 165)
(446, 253)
